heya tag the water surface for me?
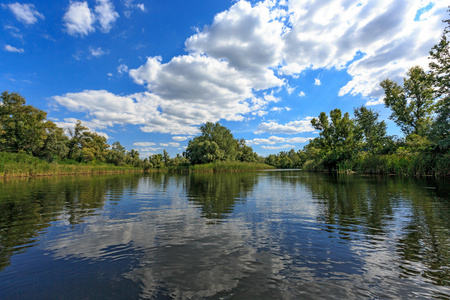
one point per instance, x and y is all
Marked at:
(268, 235)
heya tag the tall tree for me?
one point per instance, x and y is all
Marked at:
(369, 129)
(337, 140)
(412, 105)
(22, 127)
(216, 143)
(440, 66)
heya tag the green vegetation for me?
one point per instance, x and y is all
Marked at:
(31, 145)
(421, 108)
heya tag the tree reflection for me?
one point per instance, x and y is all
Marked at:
(28, 207)
(374, 205)
(216, 194)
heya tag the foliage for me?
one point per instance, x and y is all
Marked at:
(413, 104)
(371, 132)
(440, 66)
(216, 143)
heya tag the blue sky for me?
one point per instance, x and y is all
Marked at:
(149, 73)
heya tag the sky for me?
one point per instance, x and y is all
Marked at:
(149, 73)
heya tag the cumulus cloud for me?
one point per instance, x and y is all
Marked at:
(180, 138)
(10, 48)
(106, 14)
(273, 140)
(25, 13)
(248, 50)
(287, 146)
(79, 20)
(171, 144)
(302, 94)
(144, 144)
(289, 128)
(148, 110)
(317, 81)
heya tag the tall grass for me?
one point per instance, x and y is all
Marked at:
(222, 167)
(24, 165)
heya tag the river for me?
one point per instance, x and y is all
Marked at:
(251, 235)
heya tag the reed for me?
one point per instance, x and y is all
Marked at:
(24, 165)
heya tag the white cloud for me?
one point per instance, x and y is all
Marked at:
(79, 20)
(273, 140)
(123, 68)
(25, 13)
(278, 147)
(302, 94)
(317, 81)
(329, 34)
(106, 14)
(180, 138)
(141, 7)
(97, 52)
(144, 144)
(10, 48)
(171, 144)
(130, 6)
(289, 128)
(248, 50)
(280, 109)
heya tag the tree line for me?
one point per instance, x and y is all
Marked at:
(421, 109)
(25, 128)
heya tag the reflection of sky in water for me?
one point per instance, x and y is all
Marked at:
(272, 245)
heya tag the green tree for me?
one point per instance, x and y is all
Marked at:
(56, 144)
(337, 141)
(245, 153)
(369, 129)
(76, 136)
(22, 127)
(440, 66)
(117, 154)
(412, 105)
(216, 143)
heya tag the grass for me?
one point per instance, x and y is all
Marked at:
(24, 165)
(222, 167)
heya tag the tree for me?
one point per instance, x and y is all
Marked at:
(56, 144)
(440, 66)
(22, 127)
(76, 136)
(337, 141)
(412, 105)
(368, 129)
(245, 153)
(216, 143)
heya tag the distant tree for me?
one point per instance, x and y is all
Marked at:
(412, 105)
(22, 127)
(216, 143)
(117, 154)
(76, 136)
(369, 129)
(56, 144)
(245, 153)
(337, 141)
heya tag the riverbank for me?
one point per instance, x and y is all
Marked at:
(21, 165)
(408, 164)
